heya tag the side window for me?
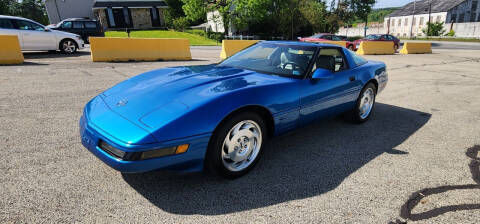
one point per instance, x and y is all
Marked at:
(357, 59)
(26, 25)
(90, 25)
(77, 25)
(335, 38)
(6, 24)
(67, 25)
(331, 59)
(327, 37)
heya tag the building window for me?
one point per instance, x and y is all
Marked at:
(406, 22)
(111, 21)
(119, 17)
(461, 18)
(478, 17)
(472, 17)
(155, 16)
(439, 19)
(393, 22)
(414, 21)
(399, 22)
(422, 20)
(454, 18)
(474, 6)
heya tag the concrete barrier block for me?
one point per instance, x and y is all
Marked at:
(106, 49)
(10, 51)
(416, 48)
(230, 47)
(376, 47)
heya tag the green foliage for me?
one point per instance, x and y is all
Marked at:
(434, 29)
(377, 15)
(194, 10)
(30, 9)
(180, 23)
(451, 33)
(173, 11)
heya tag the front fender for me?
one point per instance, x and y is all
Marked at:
(203, 117)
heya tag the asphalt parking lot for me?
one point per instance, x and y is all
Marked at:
(408, 163)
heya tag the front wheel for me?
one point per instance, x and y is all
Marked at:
(395, 48)
(365, 104)
(236, 145)
(68, 46)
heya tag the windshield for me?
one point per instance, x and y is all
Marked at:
(279, 59)
(373, 37)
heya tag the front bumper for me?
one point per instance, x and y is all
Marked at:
(190, 161)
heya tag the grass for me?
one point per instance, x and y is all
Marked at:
(195, 40)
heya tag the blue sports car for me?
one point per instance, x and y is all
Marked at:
(219, 116)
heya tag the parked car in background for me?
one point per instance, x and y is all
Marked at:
(329, 37)
(379, 37)
(84, 27)
(35, 37)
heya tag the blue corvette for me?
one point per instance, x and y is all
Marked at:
(219, 116)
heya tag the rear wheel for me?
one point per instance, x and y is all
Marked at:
(236, 145)
(68, 46)
(365, 104)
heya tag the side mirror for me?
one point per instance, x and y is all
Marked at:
(322, 73)
(48, 30)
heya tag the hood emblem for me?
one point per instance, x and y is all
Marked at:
(122, 102)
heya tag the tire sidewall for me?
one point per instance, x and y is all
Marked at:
(213, 157)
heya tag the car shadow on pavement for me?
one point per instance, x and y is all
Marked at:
(45, 54)
(308, 162)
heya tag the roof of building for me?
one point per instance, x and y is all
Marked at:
(129, 3)
(422, 7)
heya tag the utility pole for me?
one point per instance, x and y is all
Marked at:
(413, 19)
(366, 18)
(429, 18)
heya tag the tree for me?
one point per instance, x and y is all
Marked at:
(361, 9)
(434, 29)
(32, 9)
(9, 7)
(173, 11)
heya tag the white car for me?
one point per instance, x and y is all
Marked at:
(35, 37)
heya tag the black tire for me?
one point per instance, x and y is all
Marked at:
(214, 160)
(395, 47)
(68, 46)
(356, 114)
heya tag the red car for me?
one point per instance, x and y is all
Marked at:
(328, 37)
(379, 37)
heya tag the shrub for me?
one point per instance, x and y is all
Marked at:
(180, 23)
(451, 33)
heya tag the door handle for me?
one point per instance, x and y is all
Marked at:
(352, 78)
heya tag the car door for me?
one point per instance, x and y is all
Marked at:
(319, 98)
(35, 37)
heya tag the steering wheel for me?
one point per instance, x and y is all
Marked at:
(294, 66)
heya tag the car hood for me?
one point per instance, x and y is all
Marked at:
(64, 34)
(170, 92)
